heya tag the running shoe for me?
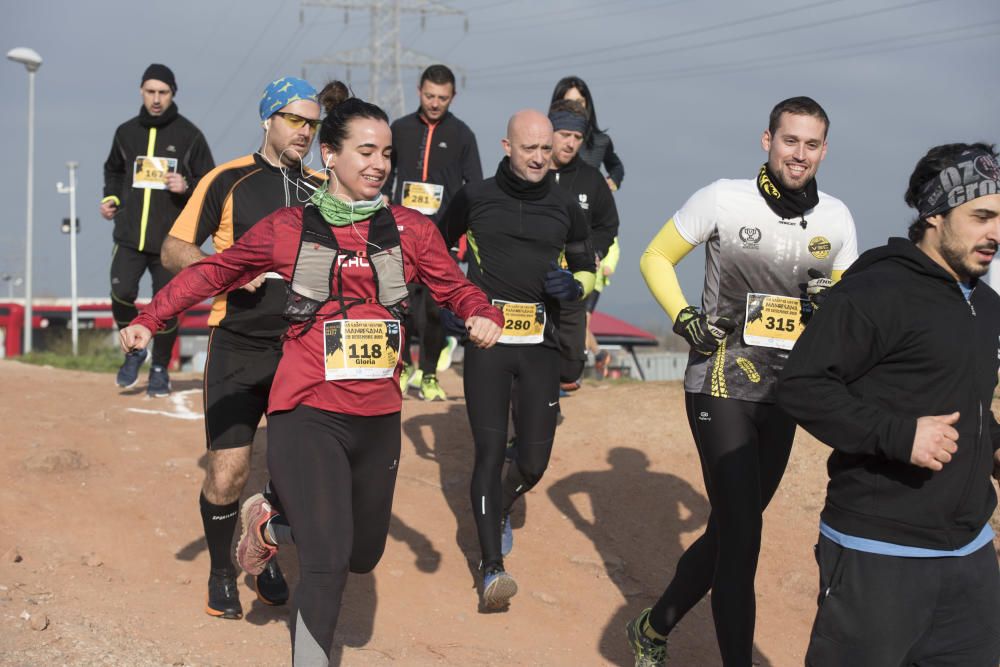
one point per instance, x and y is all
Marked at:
(648, 652)
(272, 589)
(506, 535)
(159, 382)
(511, 452)
(223, 598)
(405, 376)
(570, 386)
(416, 379)
(252, 552)
(498, 587)
(430, 390)
(444, 361)
(128, 374)
(601, 362)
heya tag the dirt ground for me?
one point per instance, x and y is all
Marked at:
(103, 560)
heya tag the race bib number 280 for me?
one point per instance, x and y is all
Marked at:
(360, 349)
(523, 323)
(773, 321)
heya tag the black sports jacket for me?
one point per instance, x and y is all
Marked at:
(444, 153)
(145, 215)
(587, 187)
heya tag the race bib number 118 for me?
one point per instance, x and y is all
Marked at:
(360, 349)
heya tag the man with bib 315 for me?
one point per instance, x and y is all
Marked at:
(774, 244)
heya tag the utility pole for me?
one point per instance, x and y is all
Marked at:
(384, 56)
(73, 230)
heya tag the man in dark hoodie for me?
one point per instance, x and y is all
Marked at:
(587, 187)
(897, 373)
(155, 162)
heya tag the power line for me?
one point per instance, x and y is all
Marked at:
(384, 55)
(254, 46)
(850, 51)
(289, 45)
(574, 15)
(606, 60)
(660, 38)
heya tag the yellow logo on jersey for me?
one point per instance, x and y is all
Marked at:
(819, 247)
(747, 367)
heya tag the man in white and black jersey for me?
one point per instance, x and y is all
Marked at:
(774, 244)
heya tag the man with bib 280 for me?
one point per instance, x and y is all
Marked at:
(433, 155)
(517, 225)
(774, 244)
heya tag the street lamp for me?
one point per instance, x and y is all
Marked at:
(31, 61)
(12, 282)
(73, 228)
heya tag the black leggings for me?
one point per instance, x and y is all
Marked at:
(424, 319)
(127, 267)
(744, 448)
(488, 376)
(336, 474)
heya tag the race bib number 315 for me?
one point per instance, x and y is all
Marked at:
(523, 323)
(773, 321)
(360, 349)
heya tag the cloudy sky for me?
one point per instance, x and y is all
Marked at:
(683, 87)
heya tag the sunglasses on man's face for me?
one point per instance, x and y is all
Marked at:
(296, 122)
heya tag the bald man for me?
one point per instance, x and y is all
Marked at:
(518, 225)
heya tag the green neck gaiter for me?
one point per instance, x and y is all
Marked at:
(340, 213)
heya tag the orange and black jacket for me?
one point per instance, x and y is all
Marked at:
(145, 215)
(228, 201)
(444, 153)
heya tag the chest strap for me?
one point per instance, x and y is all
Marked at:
(319, 267)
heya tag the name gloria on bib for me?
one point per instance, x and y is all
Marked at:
(360, 349)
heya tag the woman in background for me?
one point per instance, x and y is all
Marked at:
(597, 149)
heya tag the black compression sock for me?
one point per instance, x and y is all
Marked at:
(659, 630)
(272, 497)
(220, 524)
(278, 532)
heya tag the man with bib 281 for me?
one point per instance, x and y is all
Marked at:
(774, 244)
(433, 155)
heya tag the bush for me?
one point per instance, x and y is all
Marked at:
(98, 352)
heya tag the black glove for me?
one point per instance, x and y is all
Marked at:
(702, 335)
(816, 287)
(560, 284)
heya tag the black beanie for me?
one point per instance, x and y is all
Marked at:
(160, 73)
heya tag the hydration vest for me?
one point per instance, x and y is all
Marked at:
(318, 275)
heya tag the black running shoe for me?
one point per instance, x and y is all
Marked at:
(223, 598)
(270, 584)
